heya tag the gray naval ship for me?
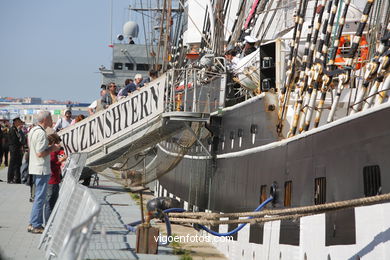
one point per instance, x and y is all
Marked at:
(301, 115)
(128, 59)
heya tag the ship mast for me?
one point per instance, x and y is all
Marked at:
(165, 29)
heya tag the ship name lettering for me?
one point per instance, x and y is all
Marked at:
(134, 103)
(108, 123)
(92, 136)
(116, 120)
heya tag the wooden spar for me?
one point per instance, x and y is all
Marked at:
(219, 18)
(290, 74)
(234, 36)
(284, 89)
(161, 30)
(206, 28)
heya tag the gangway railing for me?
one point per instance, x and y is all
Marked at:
(146, 117)
(73, 218)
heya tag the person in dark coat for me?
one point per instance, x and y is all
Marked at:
(249, 45)
(4, 146)
(16, 151)
(1, 145)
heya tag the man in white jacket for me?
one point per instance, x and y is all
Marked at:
(39, 167)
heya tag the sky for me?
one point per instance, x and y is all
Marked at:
(52, 49)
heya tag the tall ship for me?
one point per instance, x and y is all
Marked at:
(260, 99)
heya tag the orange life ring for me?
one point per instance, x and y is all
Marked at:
(363, 51)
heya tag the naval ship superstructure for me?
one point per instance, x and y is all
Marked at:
(130, 56)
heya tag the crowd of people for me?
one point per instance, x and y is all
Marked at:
(110, 94)
(34, 155)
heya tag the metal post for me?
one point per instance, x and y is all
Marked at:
(172, 106)
(194, 96)
(185, 91)
(142, 207)
(222, 92)
(166, 89)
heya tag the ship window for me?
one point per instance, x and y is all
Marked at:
(118, 66)
(263, 193)
(287, 193)
(129, 66)
(144, 67)
(319, 190)
(372, 180)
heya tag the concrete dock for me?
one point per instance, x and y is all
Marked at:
(110, 240)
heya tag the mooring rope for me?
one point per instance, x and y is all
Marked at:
(207, 218)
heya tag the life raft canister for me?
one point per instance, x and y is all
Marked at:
(363, 52)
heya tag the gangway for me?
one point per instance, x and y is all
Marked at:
(146, 117)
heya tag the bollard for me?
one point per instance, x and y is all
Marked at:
(147, 239)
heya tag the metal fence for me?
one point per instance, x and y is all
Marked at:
(74, 216)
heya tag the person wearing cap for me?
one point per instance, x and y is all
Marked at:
(249, 45)
(138, 81)
(110, 97)
(39, 167)
(16, 142)
(64, 122)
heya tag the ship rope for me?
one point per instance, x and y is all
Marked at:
(146, 42)
(196, 27)
(207, 218)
